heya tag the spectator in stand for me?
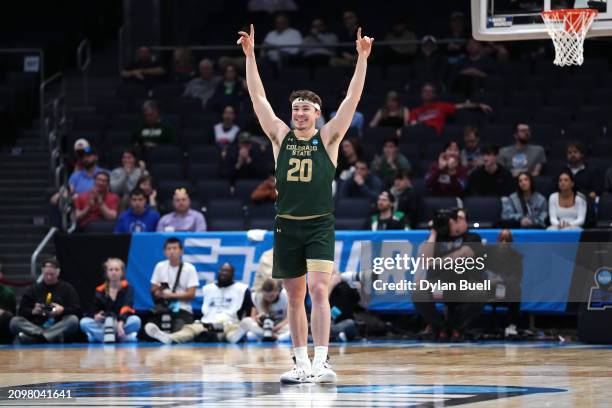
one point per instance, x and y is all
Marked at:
(405, 197)
(434, 114)
(587, 179)
(523, 156)
(392, 114)
(97, 204)
(457, 37)
(114, 300)
(226, 302)
(284, 37)
(401, 53)
(347, 56)
(447, 177)
(265, 191)
(145, 183)
(75, 163)
(491, 178)
(182, 65)
(358, 120)
(471, 155)
(526, 207)
(567, 207)
(430, 64)
(244, 160)
(473, 68)
(125, 178)
(173, 286)
(230, 91)
(204, 86)
(183, 218)
(387, 165)
(386, 218)
(153, 130)
(83, 180)
(321, 41)
(48, 311)
(271, 302)
(139, 217)
(7, 311)
(363, 184)
(350, 153)
(226, 130)
(145, 69)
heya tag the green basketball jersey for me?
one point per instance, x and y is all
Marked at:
(304, 175)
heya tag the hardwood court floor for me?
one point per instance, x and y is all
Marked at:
(386, 374)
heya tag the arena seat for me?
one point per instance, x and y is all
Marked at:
(604, 214)
(353, 207)
(485, 211)
(213, 189)
(432, 204)
(205, 171)
(166, 171)
(244, 188)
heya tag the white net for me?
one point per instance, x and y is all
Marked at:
(568, 29)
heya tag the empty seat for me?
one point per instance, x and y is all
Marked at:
(165, 154)
(585, 132)
(353, 208)
(266, 223)
(262, 210)
(192, 138)
(546, 185)
(419, 133)
(111, 106)
(485, 211)
(377, 136)
(553, 114)
(524, 99)
(213, 189)
(90, 122)
(225, 215)
(166, 188)
(125, 122)
(225, 224)
(602, 147)
(206, 171)
(244, 188)
(604, 215)
(351, 223)
(205, 154)
(433, 204)
(598, 115)
(166, 171)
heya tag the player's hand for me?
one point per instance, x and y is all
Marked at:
(364, 44)
(247, 41)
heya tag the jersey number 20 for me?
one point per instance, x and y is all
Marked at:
(304, 167)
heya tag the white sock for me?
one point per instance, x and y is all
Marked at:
(320, 355)
(301, 356)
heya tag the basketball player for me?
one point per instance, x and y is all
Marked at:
(304, 235)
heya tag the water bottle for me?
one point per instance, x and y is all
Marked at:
(109, 329)
(335, 312)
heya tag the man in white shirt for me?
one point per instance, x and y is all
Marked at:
(225, 303)
(174, 283)
(281, 36)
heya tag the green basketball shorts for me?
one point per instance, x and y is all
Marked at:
(302, 246)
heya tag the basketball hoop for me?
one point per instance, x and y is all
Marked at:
(568, 29)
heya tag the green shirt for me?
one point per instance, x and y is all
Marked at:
(7, 299)
(304, 176)
(160, 133)
(385, 171)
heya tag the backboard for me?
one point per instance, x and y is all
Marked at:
(509, 20)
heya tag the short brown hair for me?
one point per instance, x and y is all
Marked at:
(308, 95)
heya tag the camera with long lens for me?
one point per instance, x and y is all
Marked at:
(440, 221)
(267, 324)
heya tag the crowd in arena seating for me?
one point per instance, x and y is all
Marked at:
(459, 119)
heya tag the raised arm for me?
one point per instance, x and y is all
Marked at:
(275, 128)
(334, 130)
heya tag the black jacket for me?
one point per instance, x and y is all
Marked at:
(121, 307)
(62, 293)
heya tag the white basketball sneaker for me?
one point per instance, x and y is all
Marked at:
(323, 373)
(155, 332)
(298, 374)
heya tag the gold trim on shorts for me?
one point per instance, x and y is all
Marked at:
(305, 217)
(319, 265)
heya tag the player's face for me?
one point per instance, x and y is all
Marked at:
(304, 116)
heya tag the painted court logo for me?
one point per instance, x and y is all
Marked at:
(272, 394)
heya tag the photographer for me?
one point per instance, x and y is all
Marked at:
(173, 287)
(506, 266)
(271, 323)
(225, 303)
(48, 310)
(449, 239)
(113, 317)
